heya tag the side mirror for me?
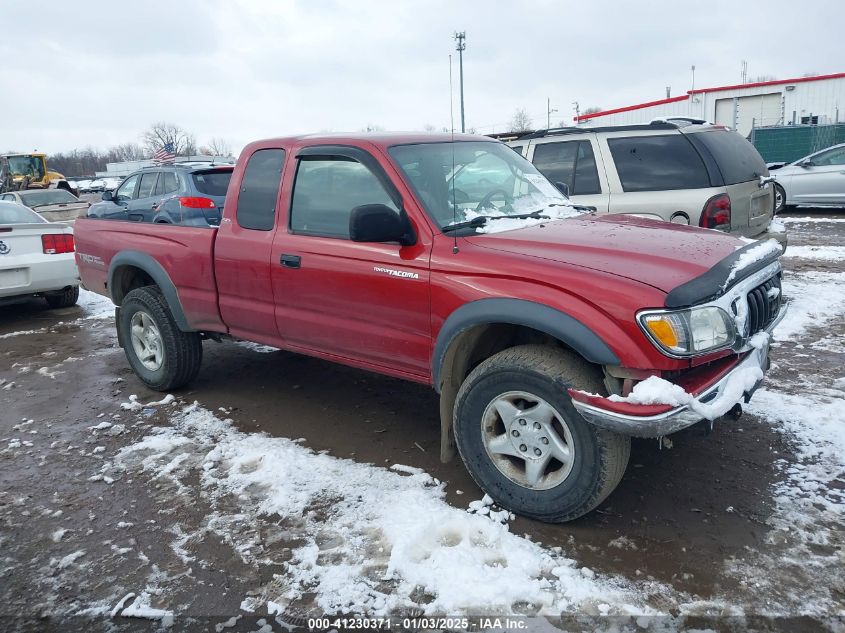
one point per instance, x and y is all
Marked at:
(107, 196)
(806, 163)
(563, 188)
(379, 223)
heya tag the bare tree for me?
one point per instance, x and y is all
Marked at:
(160, 133)
(761, 78)
(591, 110)
(126, 152)
(217, 147)
(520, 122)
(373, 127)
(428, 127)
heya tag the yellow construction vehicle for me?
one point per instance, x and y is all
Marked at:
(29, 171)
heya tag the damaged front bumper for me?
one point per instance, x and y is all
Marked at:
(639, 420)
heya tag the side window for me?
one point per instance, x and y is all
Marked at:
(658, 163)
(127, 189)
(167, 183)
(833, 157)
(586, 174)
(260, 190)
(148, 183)
(325, 192)
(9, 197)
(556, 161)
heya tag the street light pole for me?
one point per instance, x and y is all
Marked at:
(549, 110)
(460, 38)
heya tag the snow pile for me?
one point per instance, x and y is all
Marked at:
(750, 257)
(656, 390)
(369, 540)
(817, 299)
(823, 253)
(95, 306)
(134, 405)
(808, 219)
(776, 226)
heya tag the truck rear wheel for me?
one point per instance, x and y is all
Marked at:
(525, 444)
(161, 355)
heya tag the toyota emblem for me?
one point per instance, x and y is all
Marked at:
(4, 248)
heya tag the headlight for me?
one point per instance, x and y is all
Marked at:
(689, 332)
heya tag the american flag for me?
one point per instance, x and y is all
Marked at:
(165, 155)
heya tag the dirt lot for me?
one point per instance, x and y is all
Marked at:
(744, 522)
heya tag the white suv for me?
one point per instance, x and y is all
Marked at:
(691, 173)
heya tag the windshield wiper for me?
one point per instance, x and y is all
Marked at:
(480, 220)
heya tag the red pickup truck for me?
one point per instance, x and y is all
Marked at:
(552, 335)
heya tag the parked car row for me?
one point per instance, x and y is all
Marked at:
(96, 185)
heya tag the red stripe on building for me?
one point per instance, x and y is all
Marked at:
(775, 82)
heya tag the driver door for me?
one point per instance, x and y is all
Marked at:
(118, 208)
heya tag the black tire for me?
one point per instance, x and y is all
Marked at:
(780, 206)
(600, 457)
(181, 351)
(63, 299)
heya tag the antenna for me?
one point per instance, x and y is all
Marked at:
(452, 144)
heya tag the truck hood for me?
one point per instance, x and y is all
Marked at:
(659, 254)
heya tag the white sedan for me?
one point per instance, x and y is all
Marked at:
(817, 180)
(36, 257)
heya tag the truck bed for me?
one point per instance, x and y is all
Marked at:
(186, 253)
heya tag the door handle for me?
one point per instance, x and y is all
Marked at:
(290, 261)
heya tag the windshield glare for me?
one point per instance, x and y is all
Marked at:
(460, 181)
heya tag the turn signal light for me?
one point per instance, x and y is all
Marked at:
(57, 243)
(196, 202)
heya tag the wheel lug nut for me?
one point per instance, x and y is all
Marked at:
(544, 440)
(522, 422)
(515, 433)
(523, 447)
(538, 452)
(537, 425)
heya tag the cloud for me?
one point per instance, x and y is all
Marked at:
(98, 73)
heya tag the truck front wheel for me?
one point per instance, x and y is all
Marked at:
(525, 444)
(161, 355)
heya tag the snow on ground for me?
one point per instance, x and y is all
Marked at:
(809, 220)
(822, 253)
(95, 306)
(365, 539)
(816, 299)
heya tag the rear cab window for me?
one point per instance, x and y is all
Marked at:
(260, 190)
(658, 163)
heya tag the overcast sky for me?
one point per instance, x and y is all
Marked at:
(98, 73)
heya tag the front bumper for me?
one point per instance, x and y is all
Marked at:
(636, 420)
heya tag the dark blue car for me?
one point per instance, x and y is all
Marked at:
(175, 194)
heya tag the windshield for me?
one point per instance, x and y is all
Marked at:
(14, 213)
(462, 181)
(26, 166)
(43, 198)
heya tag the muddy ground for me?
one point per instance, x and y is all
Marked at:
(685, 509)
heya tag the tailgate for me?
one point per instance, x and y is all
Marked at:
(751, 207)
(113, 252)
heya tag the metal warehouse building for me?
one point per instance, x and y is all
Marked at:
(805, 100)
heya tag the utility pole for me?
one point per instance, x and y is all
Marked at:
(744, 71)
(461, 46)
(577, 112)
(549, 110)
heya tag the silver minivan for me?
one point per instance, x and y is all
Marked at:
(693, 173)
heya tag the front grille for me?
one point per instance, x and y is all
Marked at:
(763, 305)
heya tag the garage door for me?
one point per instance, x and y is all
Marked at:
(757, 111)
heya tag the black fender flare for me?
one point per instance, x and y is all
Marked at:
(538, 316)
(149, 265)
